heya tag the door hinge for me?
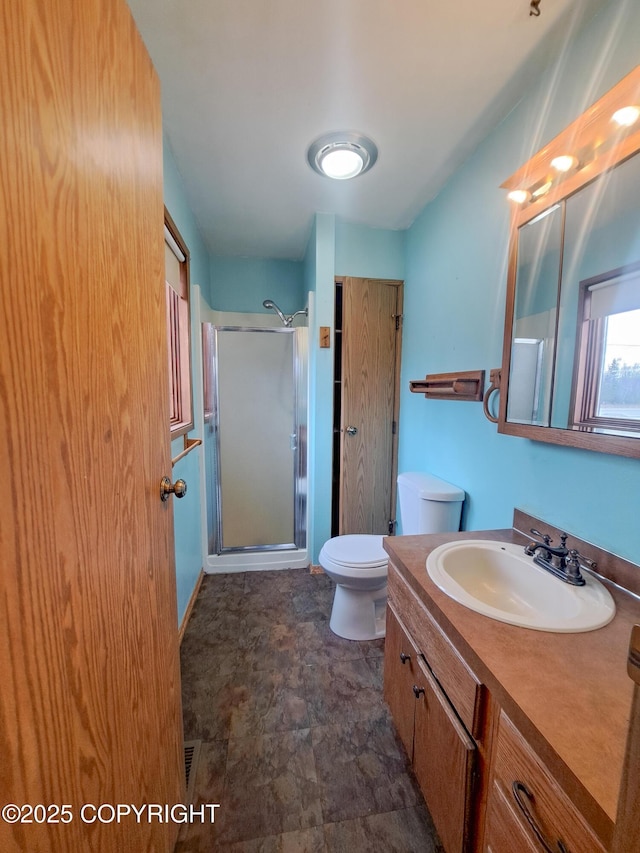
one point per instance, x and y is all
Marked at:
(398, 319)
(392, 526)
(394, 427)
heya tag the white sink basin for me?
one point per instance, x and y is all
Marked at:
(499, 580)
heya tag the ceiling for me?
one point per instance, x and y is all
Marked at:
(247, 85)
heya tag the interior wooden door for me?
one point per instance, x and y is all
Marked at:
(90, 697)
(370, 367)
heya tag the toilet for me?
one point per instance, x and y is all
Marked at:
(357, 563)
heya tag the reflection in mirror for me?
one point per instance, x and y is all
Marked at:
(534, 327)
(597, 372)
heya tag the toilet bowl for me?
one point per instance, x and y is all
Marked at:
(357, 563)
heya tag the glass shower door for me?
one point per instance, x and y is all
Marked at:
(256, 431)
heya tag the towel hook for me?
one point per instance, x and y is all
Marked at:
(495, 376)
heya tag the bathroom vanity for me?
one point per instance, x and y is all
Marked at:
(517, 737)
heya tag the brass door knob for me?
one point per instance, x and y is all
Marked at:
(179, 488)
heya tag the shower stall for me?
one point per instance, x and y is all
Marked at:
(255, 445)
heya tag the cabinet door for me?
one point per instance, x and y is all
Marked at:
(400, 675)
(443, 758)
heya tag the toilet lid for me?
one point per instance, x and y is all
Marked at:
(357, 550)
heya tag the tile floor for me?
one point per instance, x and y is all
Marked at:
(297, 744)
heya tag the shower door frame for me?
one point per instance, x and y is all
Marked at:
(298, 451)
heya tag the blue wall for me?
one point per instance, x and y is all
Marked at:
(187, 511)
(368, 252)
(242, 284)
(456, 258)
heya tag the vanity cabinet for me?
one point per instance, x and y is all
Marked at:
(440, 748)
(483, 782)
(527, 809)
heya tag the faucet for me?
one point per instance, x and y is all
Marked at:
(562, 562)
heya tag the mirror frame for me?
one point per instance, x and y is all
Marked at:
(599, 147)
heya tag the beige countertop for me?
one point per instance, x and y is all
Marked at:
(569, 693)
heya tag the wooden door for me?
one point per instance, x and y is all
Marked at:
(369, 405)
(89, 698)
(443, 756)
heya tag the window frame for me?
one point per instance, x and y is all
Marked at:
(179, 337)
(589, 372)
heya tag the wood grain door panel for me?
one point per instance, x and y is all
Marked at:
(368, 403)
(90, 699)
(400, 674)
(443, 756)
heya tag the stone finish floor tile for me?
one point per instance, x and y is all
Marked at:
(270, 782)
(298, 746)
(341, 691)
(406, 831)
(362, 769)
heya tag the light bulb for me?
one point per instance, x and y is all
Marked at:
(518, 196)
(341, 163)
(564, 162)
(626, 116)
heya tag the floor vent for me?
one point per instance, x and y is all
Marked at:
(191, 758)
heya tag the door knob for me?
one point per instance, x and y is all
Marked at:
(179, 488)
(351, 430)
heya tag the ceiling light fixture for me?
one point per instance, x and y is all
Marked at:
(626, 116)
(342, 155)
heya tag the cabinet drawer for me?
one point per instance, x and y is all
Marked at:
(457, 680)
(504, 833)
(543, 807)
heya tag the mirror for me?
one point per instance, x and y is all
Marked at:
(571, 361)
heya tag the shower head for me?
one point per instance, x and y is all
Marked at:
(271, 305)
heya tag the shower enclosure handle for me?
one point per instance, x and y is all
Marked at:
(351, 430)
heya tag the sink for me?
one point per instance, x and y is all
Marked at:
(499, 580)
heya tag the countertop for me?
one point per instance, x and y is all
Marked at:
(569, 693)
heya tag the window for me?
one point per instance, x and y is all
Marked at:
(176, 257)
(607, 383)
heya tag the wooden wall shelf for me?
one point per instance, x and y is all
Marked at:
(463, 385)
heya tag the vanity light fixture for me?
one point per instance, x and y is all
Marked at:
(626, 116)
(519, 196)
(564, 163)
(342, 156)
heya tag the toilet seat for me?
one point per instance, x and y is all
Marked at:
(356, 551)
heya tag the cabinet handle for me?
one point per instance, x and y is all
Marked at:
(417, 691)
(518, 789)
(404, 658)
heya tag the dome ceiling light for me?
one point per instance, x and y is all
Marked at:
(342, 156)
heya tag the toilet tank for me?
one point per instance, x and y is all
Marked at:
(428, 504)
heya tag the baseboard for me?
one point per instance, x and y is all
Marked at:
(192, 601)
